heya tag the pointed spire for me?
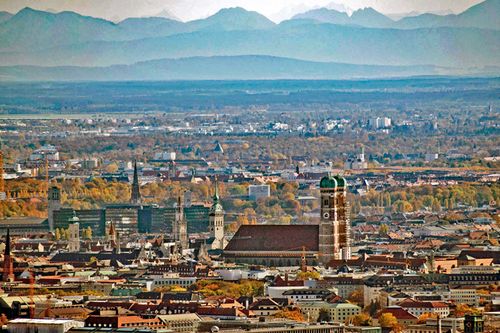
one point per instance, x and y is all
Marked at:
(136, 194)
(111, 229)
(216, 194)
(7, 243)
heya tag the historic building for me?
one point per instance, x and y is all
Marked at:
(135, 197)
(290, 245)
(179, 230)
(217, 240)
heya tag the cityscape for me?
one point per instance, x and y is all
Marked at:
(160, 174)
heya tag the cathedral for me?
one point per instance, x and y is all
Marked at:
(290, 245)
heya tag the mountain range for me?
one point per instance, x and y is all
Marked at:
(215, 68)
(483, 15)
(323, 38)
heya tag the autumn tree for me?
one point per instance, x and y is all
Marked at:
(361, 319)
(423, 317)
(383, 230)
(356, 297)
(87, 233)
(295, 315)
(308, 275)
(463, 309)
(387, 320)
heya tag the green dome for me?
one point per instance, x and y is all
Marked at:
(341, 181)
(328, 182)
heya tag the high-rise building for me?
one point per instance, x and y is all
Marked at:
(334, 229)
(216, 222)
(135, 198)
(8, 263)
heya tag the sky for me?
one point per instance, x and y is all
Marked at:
(186, 10)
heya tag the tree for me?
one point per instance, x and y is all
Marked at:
(361, 319)
(387, 320)
(112, 168)
(88, 233)
(423, 317)
(383, 229)
(290, 314)
(308, 275)
(373, 308)
(356, 297)
(58, 234)
(463, 309)
(324, 315)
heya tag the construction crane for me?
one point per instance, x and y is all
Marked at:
(47, 173)
(2, 182)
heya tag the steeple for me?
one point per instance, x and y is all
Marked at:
(216, 221)
(216, 194)
(180, 225)
(216, 205)
(7, 243)
(136, 194)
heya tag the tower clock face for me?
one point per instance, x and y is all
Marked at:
(326, 215)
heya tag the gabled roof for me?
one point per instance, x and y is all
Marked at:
(399, 313)
(275, 238)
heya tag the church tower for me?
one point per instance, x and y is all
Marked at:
(216, 221)
(8, 264)
(74, 234)
(135, 198)
(54, 203)
(334, 229)
(180, 225)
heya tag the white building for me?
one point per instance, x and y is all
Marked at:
(25, 325)
(48, 152)
(431, 157)
(379, 122)
(259, 191)
(338, 312)
(418, 308)
(165, 156)
(357, 163)
(170, 280)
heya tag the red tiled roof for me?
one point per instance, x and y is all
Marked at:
(408, 303)
(275, 238)
(399, 313)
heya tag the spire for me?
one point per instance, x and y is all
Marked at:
(136, 194)
(7, 243)
(216, 194)
(216, 205)
(112, 230)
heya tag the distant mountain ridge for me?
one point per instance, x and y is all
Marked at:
(367, 17)
(483, 15)
(454, 47)
(39, 38)
(215, 68)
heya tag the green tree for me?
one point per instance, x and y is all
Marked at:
(324, 315)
